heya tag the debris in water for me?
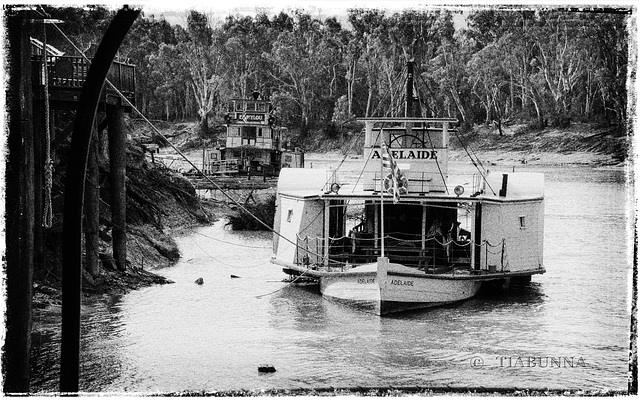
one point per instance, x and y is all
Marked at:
(266, 368)
(234, 276)
(199, 281)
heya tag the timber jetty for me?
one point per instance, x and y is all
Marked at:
(236, 182)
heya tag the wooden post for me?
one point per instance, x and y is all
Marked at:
(118, 170)
(477, 240)
(424, 227)
(19, 207)
(92, 208)
(38, 183)
(327, 225)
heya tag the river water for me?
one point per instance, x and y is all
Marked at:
(568, 329)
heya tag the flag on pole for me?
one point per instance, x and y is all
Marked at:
(396, 175)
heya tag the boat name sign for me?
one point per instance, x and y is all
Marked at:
(246, 117)
(400, 282)
(407, 154)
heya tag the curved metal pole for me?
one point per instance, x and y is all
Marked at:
(74, 196)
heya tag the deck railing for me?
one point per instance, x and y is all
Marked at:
(433, 255)
(418, 182)
(71, 72)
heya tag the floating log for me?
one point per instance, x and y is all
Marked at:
(234, 276)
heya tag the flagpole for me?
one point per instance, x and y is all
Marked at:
(382, 206)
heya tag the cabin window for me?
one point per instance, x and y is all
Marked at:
(262, 107)
(522, 222)
(289, 214)
(239, 106)
(249, 132)
(259, 132)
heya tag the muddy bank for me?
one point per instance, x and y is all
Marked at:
(160, 205)
(579, 144)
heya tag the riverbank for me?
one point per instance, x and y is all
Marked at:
(161, 205)
(578, 144)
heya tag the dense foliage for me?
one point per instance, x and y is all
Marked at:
(538, 66)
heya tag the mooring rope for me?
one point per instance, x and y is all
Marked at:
(47, 215)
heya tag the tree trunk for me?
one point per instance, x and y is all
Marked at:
(203, 126)
(92, 207)
(117, 163)
(487, 108)
(19, 209)
(351, 72)
(459, 106)
(511, 94)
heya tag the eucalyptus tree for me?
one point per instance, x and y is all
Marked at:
(443, 84)
(560, 60)
(141, 48)
(242, 40)
(367, 25)
(300, 62)
(489, 81)
(170, 81)
(83, 25)
(607, 37)
(205, 65)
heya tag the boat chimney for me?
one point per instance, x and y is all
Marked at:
(408, 110)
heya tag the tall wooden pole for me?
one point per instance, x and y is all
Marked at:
(117, 175)
(74, 196)
(19, 208)
(92, 208)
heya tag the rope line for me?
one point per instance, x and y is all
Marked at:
(365, 162)
(437, 162)
(282, 288)
(47, 214)
(335, 172)
(473, 162)
(225, 263)
(232, 243)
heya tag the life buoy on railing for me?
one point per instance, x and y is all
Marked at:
(403, 184)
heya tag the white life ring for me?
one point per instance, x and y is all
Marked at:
(403, 184)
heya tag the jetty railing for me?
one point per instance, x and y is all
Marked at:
(71, 72)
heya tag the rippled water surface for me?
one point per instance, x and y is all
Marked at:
(184, 336)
